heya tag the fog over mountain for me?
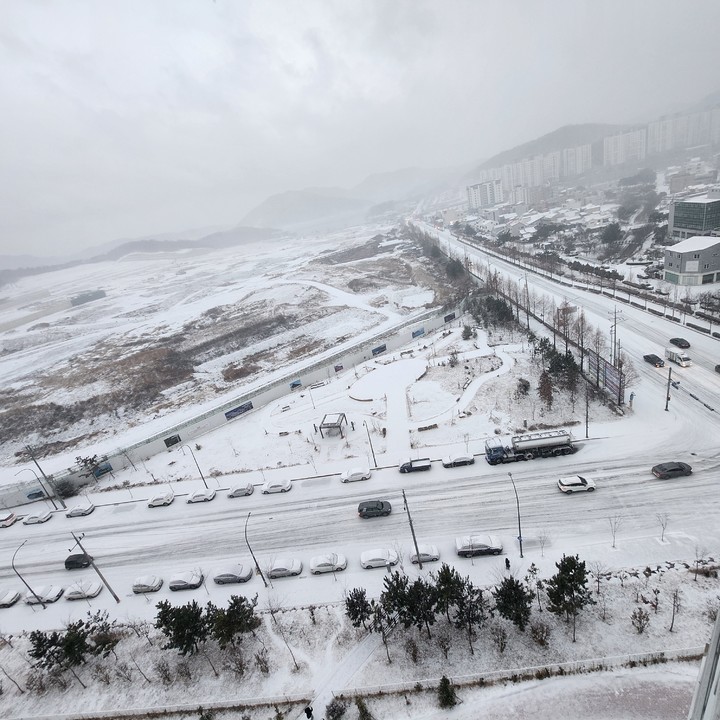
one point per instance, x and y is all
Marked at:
(141, 118)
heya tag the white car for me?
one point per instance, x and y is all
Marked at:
(380, 557)
(242, 490)
(332, 562)
(8, 598)
(283, 567)
(201, 496)
(576, 483)
(471, 545)
(428, 553)
(162, 499)
(7, 519)
(83, 589)
(457, 460)
(189, 580)
(276, 486)
(80, 510)
(236, 573)
(355, 474)
(44, 594)
(37, 518)
(147, 584)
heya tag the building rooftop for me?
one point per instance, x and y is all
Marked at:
(704, 198)
(699, 242)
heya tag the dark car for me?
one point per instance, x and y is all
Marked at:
(671, 469)
(77, 561)
(654, 360)
(717, 368)
(374, 508)
(680, 342)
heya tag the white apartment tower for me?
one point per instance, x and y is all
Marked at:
(484, 194)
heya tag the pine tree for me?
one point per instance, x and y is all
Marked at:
(513, 601)
(357, 607)
(447, 696)
(185, 626)
(394, 597)
(470, 610)
(421, 597)
(448, 586)
(567, 590)
(225, 624)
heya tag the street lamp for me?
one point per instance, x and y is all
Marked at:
(37, 477)
(196, 463)
(12, 562)
(371, 445)
(517, 502)
(247, 542)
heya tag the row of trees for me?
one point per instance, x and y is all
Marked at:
(466, 607)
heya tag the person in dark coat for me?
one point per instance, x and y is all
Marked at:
(507, 563)
(309, 712)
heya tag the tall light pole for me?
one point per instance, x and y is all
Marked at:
(12, 562)
(371, 445)
(37, 477)
(247, 542)
(412, 531)
(517, 503)
(196, 464)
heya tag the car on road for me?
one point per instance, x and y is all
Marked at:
(452, 461)
(374, 508)
(7, 519)
(235, 573)
(201, 496)
(83, 589)
(331, 562)
(37, 518)
(44, 594)
(471, 545)
(80, 511)
(654, 360)
(189, 580)
(679, 342)
(671, 469)
(162, 499)
(242, 490)
(717, 368)
(77, 561)
(576, 483)
(276, 486)
(380, 557)
(147, 584)
(355, 474)
(428, 553)
(284, 567)
(8, 598)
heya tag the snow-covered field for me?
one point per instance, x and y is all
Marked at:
(386, 402)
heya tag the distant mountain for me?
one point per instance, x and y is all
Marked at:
(564, 137)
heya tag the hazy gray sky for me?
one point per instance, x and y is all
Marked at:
(131, 117)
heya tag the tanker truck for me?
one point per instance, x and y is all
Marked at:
(550, 443)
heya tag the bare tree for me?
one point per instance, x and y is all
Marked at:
(675, 606)
(543, 538)
(600, 571)
(700, 553)
(615, 524)
(662, 519)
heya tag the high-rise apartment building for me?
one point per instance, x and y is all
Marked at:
(485, 194)
(625, 147)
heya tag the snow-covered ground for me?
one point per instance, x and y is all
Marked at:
(386, 402)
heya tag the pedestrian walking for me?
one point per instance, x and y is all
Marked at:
(309, 712)
(507, 564)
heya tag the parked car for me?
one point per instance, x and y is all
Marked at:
(7, 519)
(576, 483)
(83, 589)
(80, 510)
(428, 553)
(37, 518)
(331, 562)
(654, 360)
(147, 584)
(284, 567)
(242, 490)
(374, 508)
(276, 486)
(189, 580)
(355, 474)
(77, 561)
(201, 496)
(380, 557)
(671, 469)
(471, 545)
(452, 461)
(8, 598)
(235, 573)
(161, 499)
(679, 342)
(417, 465)
(36, 495)
(44, 594)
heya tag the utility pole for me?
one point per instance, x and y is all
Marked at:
(257, 566)
(412, 530)
(667, 392)
(196, 464)
(587, 410)
(47, 480)
(95, 567)
(22, 579)
(517, 502)
(371, 445)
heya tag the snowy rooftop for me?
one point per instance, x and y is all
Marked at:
(703, 198)
(695, 243)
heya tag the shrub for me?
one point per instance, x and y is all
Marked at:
(447, 697)
(540, 632)
(335, 709)
(640, 620)
(363, 712)
(499, 636)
